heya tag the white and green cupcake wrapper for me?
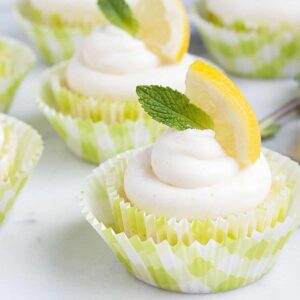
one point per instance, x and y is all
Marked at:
(97, 109)
(196, 268)
(55, 43)
(28, 151)
(22, 59)
(132, 221)
(254, 53)
(5, 60)
(95, 141)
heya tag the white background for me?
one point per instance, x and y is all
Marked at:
(47, 249)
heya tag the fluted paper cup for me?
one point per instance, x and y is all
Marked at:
(133, 221)
(21, 60)
(28, 152)
(195, 268)
(95, 109)
(252, 53)
(55, 43)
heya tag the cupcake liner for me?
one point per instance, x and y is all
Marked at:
(96, 141)
(28, 151)
(60, 20)
(8, 150)
(5, 60)
(132, 221)
(55, 43)
(196, 268)
(22, 60)
(254, 53)
(71, 103)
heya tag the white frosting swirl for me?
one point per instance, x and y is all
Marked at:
(186, 174)
(263, 12)
(113, 51)
(111, 63)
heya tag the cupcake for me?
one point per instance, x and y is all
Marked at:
(255, 40)
(57, 27)
(91, 99)
(204, 209)
(20, 149)
(15, 61)
(67, 13)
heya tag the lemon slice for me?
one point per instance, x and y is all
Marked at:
(163, 27)
(236, 126)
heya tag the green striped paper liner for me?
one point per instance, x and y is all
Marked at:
(95, 141)
(22, 59)
(252, 53)
(64, 19)
(134, 221)
(28, 152)
(55, 43)
(5, 60)
(8, 150)
(96, 109)
(196, 268)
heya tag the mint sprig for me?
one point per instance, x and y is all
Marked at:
(119, 14)
(172, 108)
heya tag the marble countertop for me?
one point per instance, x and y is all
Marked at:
(48, 250)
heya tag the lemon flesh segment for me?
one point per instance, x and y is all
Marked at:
(163, 27)
(236, 126)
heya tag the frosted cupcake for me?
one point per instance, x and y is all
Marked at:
(204, 209)
(15, 61)
(255, 40)
(57, 27)
(67, 13)
(20, 150)
(91, 99)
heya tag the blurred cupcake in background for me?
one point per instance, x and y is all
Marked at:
(16, 60)
(20, 149)
(67, 12)
(91, 100)
(56, 27)
(252, 39)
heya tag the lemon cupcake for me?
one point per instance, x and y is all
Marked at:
(20, 149)
(57, 27)
(15, 61)
(255, 40)
(204, 209)
(91, 99)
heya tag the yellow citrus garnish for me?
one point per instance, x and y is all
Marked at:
(164, 27)
(236, 125)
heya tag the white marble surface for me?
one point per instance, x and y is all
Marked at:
(48, 251)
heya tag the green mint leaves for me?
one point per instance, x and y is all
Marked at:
(268, 130)
(172, 108)
(119, 14)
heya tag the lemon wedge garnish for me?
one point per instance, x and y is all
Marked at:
(163, 27)
(236, 125)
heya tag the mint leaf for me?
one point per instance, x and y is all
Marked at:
(172, 108)
(119, 14)
(268, 131)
